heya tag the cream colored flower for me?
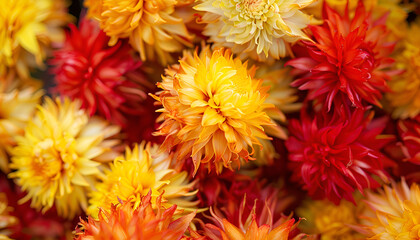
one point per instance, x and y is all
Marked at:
(258, 28)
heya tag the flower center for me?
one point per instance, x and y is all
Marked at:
(321, 152)
(366, 63)
(54, 158)
(252, 9)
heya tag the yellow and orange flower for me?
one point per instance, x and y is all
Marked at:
(143, 222)
(17, 107)
(152, 26)
(213, 110)
(28, 28)
(60, 156)
(393, 212)
(140, 171)
(256, 28)
(330, 221)
(405, 89)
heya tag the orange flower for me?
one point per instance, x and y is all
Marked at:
(124, 222)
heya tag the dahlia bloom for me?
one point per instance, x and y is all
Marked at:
(330, 221)
(213, 110)
(332, 155)
(17, 107)
(140, 171)
(26, 35)
(348, 60)
(393, 212)
(59, 157)
(251, 227)
(258, 28)
(144, 222)
(405, 89)
(409, 133)
(152, 27)
(103, 78)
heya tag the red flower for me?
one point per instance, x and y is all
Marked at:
(347, 61)
(106, 79)
(409, 132)
(334, 154)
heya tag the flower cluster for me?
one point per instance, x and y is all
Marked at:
(210, 119)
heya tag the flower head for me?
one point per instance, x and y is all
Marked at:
(252, 226)
(59, 157)
(405, 89)
(332, 155)
(103, 78)
(144, 222)
(259, 28)
(17, 107)
(213, 110)
(152, 26)
(348, 60)
(393, 212)
(330, 221)
(140, 171)
(27, 29)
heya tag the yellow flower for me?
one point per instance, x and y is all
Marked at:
(330, 221)
(393, 212)
(258, 28)
(133, 176)
(27, 29)
(17, 107)
(151, 26)
(405, 89)
(59, 157)
(6, 220)
(213, 110)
